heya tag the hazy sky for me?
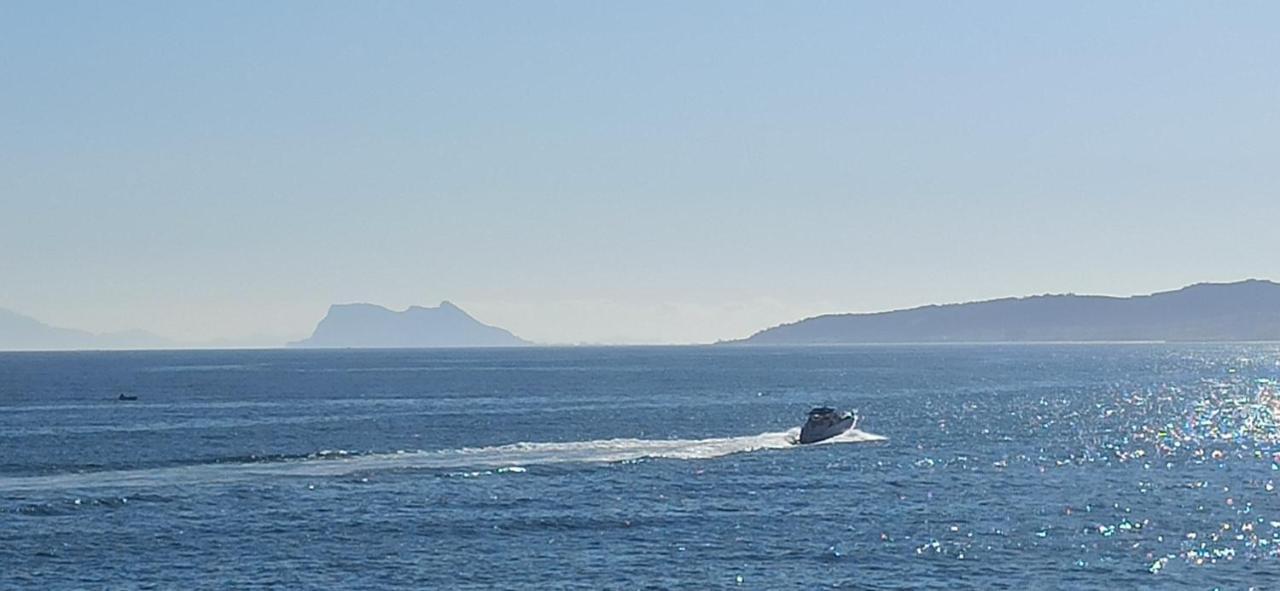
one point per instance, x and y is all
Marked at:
(624, 172)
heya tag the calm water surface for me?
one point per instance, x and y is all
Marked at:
(1073, 467)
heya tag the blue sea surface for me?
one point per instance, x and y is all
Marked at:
(1039, 466)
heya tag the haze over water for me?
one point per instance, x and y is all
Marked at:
(1081, 466)
(657, 173)
(219, 174)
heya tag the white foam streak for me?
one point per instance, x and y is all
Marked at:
(501, 456)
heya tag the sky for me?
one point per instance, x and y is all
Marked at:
(607, 172)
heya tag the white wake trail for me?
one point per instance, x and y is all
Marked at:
(501, 456)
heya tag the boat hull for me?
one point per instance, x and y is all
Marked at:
(813, 432)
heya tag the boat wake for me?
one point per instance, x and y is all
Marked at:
(511, 457)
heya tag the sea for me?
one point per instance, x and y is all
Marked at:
(1125, 466)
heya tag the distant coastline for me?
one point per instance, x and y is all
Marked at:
(1241, 312)
(373, 327)
(1244, 311)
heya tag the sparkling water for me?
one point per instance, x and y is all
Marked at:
(1038, 466)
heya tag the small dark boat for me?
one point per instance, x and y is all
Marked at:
(825, 423)
(127, 397)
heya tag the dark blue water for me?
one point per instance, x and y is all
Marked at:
(1081, 467)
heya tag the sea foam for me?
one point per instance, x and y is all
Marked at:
(514, 455)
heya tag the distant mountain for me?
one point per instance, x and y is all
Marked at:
(133, 339)
(19, 332)
(370, 326)
(24, 333)
(1241, 311)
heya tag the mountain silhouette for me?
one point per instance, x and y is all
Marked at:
(371, 326)
(19, 332)
(1241, 311)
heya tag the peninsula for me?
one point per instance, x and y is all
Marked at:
(1241, 311)
(371, 326)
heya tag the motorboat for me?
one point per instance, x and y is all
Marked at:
(127, 397)
(825, 423)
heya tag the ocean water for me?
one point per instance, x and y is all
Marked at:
(983, 467)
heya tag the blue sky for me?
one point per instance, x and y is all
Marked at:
(609, 172)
